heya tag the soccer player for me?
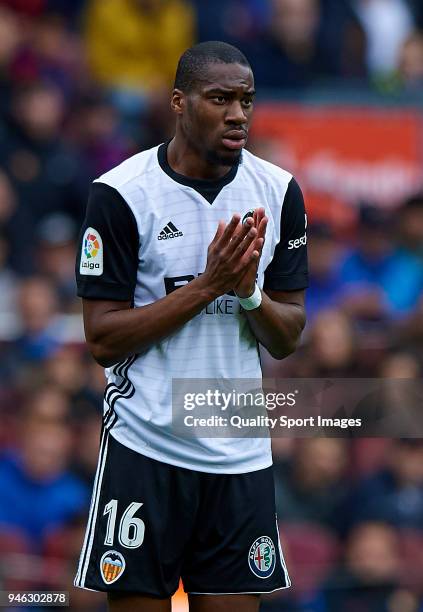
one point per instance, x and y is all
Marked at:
(191, 254)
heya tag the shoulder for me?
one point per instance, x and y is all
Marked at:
(130, 171)
(265, 171)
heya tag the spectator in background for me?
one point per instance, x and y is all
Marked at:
(400, 364)
(46, 172)
(9, 323)
(55, 255)
(93, 128)
(16, 227)
(133, 45)
(331, 349)
(410, 62)
(10, 41)
(69, 370)
(387, 24)
(237, 22)
(310, 486)
(379, 279)
(295, 51)
(50, 53)
(324, 262)
(40, 325)
(289, 55)
(12, 232)
(395, 493)
(369, 579)
(411, 224)
(37, 492)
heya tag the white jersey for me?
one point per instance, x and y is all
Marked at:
(146, 233)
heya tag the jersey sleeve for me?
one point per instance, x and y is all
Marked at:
(288, 270)
(107, 259)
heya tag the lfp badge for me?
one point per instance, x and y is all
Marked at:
(112, 566)
(91, 253)
(91, 245)
(262, 557)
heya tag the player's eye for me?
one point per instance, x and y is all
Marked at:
(247, 102)
(219, 99)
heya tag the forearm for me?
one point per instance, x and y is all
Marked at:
(118, 333)
(277, 325)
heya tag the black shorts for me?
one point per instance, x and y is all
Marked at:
(151, 523)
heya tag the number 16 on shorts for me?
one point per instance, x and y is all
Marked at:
(130, 534)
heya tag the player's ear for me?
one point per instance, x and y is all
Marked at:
(177, 102)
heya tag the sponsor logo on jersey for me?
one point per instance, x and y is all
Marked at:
(298, 242)
(262, 557)
(91, 253)
(112, 566)
(169, 231)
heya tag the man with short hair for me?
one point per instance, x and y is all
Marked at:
(178, 281)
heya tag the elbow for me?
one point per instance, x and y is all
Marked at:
(284, 349)
(280, 352)
(101, 355)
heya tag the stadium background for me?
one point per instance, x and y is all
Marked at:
(84, 84)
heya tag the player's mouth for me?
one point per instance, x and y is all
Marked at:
(235, 139)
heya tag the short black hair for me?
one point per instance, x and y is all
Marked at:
(194, 61)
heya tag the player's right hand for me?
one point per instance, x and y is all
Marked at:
(229, 254)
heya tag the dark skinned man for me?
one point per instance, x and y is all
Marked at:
(192, 253)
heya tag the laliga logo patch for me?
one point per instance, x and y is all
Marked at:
(112, 566)
(262, 557)
(91, 253)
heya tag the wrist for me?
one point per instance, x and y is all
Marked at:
(245, 293)
(207, 292)
(253, 301)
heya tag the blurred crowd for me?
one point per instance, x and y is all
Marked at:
(85, 84)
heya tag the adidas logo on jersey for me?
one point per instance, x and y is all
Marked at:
(169, 231)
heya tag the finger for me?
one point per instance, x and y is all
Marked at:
(255, 247)
(239, 235)
(260, 213)
(245, 244)
(219, 231)
(255, 217)
(261, 229)
(258, 245)
(229, 230)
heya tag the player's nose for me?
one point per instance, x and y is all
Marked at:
(236, 114)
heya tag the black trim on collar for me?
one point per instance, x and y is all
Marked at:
(208, 188)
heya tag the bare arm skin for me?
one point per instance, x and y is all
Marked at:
(278, 322)
(114, 330)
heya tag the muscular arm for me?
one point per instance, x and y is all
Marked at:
(279, 321)
(114, 330)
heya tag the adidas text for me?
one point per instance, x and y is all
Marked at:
(166, 236)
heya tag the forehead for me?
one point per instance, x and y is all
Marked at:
(217, 75)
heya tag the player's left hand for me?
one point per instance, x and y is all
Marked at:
(245, 287)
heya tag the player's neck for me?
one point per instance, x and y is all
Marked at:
(184, 160)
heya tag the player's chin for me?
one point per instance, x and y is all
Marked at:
(226, 157)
